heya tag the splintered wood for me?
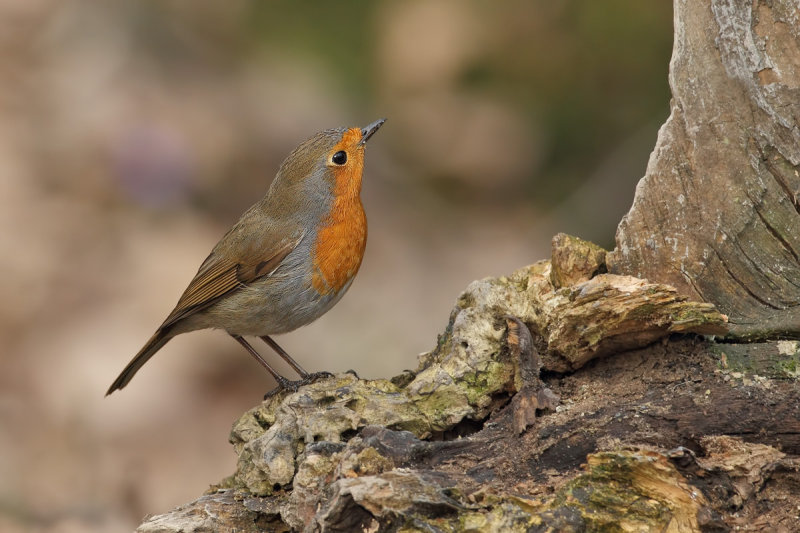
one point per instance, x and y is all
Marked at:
(607, 313)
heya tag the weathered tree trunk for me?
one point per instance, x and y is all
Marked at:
(717, 214)
(639, 420)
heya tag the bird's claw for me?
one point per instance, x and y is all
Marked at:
(293, 386)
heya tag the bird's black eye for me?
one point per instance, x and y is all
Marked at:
(340, 158)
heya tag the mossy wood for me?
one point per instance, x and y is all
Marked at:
(647, 436)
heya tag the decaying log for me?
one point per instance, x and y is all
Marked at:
(474, 440)
(472, 369)
(717, 214)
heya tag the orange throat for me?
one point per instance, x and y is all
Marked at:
(343, 235)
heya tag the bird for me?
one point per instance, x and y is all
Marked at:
(288, 259)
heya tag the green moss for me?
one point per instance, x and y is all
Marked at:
(503, 515)
(493, 379)
(610, 492)
(465, 301)
(788, 367)
(691, 314)
(443, 408)
(643, 311)
(763, 359)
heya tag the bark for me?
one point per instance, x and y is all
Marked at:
(717, 214)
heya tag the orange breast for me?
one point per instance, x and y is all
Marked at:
(340, 248)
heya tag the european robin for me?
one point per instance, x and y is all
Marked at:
(287, 260)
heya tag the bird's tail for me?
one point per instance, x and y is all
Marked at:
(155, 343)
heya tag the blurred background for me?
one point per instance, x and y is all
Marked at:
(133, 134)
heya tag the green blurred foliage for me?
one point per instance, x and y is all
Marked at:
(588, 74)
(337, 35)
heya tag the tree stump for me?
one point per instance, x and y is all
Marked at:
(717, 215)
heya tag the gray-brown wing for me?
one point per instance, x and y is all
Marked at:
(219, 276)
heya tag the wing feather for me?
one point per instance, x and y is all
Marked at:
(218, 276)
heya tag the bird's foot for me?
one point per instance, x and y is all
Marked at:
(293, 386)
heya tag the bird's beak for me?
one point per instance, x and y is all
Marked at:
(368, 131)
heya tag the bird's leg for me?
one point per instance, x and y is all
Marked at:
(283, 383)
(285, 356)
(305, 377)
